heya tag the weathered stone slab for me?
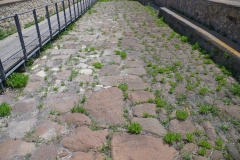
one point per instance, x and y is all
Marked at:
(25, 106)
(77, 119)
(63, 75)
(111, 58)
(109, 70)
(138, 86)
(106, 105)
(135, 71)
(45, 152)
(84, 79)
(134, 64)
(62, 102)
(151, 125)
(140, 147)
(139, 110)
(210, 130)
(142, 96)
(12, 148)
(87, 156)
(83, 138)
(181, 127)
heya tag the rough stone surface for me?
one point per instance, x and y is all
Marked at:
(87, 156)
(84, 79)
(106, 105)
(84, 138)
(134, 64)
(139, 110)
(232, 150)
(151, 125)
(189, 147)
(135, 71)
(231, 110)
(140, 147)
(62, 102)
(216, 155)
(138, 86)
(109, 70)
(77, 119)
(24, 106)
(181, 127)
(63, 75)
(11, 148)
(209, 129)
(45, 152)
(142, 96)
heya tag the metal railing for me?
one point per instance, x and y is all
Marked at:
(34, 29)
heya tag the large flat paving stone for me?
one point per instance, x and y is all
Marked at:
(83, 138)
(109, 70)
(135, 71)
(62, 102)
(45, 152)
(111, 58)
(151, 125)
(87, 156)
(106, 105)
(134, 64)
(25, 106)
(12, 148)
(142, 96)
(77, 119)
(138, 86)
(149, 108)
(63, 75)
(181, 127)
(140, 147)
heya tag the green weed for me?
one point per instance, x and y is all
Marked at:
(5, 109)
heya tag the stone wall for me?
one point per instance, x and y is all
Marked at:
(222, 17)
(14, 8)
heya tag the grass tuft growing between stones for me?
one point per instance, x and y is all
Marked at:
(135, 128)
(17, 80)
(123, 54)
(79, 109)
(97, 65)
(123, 86)
(181, 115)
(171, 137)
(5, 109)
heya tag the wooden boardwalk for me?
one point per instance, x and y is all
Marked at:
(12, 55)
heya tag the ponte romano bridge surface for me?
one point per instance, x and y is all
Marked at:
(163, 75)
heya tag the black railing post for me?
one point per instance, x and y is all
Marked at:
(3, 75)
(81, 6)
(49, 22)
(64, 12)
(78, 8)
(37, 28)
(70, 10)
(59, 25)
(20, 36)
(84, 7)
(74, 9)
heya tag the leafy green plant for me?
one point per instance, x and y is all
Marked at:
(123, 86)
(17, 80)
(147, 115)
(160, 102)
(202, 151)
(235, 89)
(29, 62)
(219, 144)
(190, 137)
(123, 54)
(184, 39)
(171, 137)
(186, 156)
(181, 115)
(73, 75)
(135, 128)
(204, 143)
(203, 91)
(79, 109)
(207, 108)
(97, 65)
(5, 109)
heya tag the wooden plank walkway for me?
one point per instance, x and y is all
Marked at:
(12, 55)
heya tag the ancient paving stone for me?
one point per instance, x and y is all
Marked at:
(151, 125)
(180, 89)
(231, 110)
(106, 105)
(109, 70)
(18, 129)
(135, 71)
(189, 147)
(77, 119)
(25, 106)
(138, 86)
(140, 147)
(62, 102)
(181, 127)
(217, 155)
(139, 110)
(84, 138)
(85, 71)
(131, 79)
(111, 58)
(33, 83)
(49, 129)
(64, 75)
(94, 61)
(134, 64)
(199, 158)
(84, 79)
(45, 152)
(41, 73)
(209, 129)
(11, 148)
(87, 156)
(232, 150)
(63, 154)
(142, 96)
